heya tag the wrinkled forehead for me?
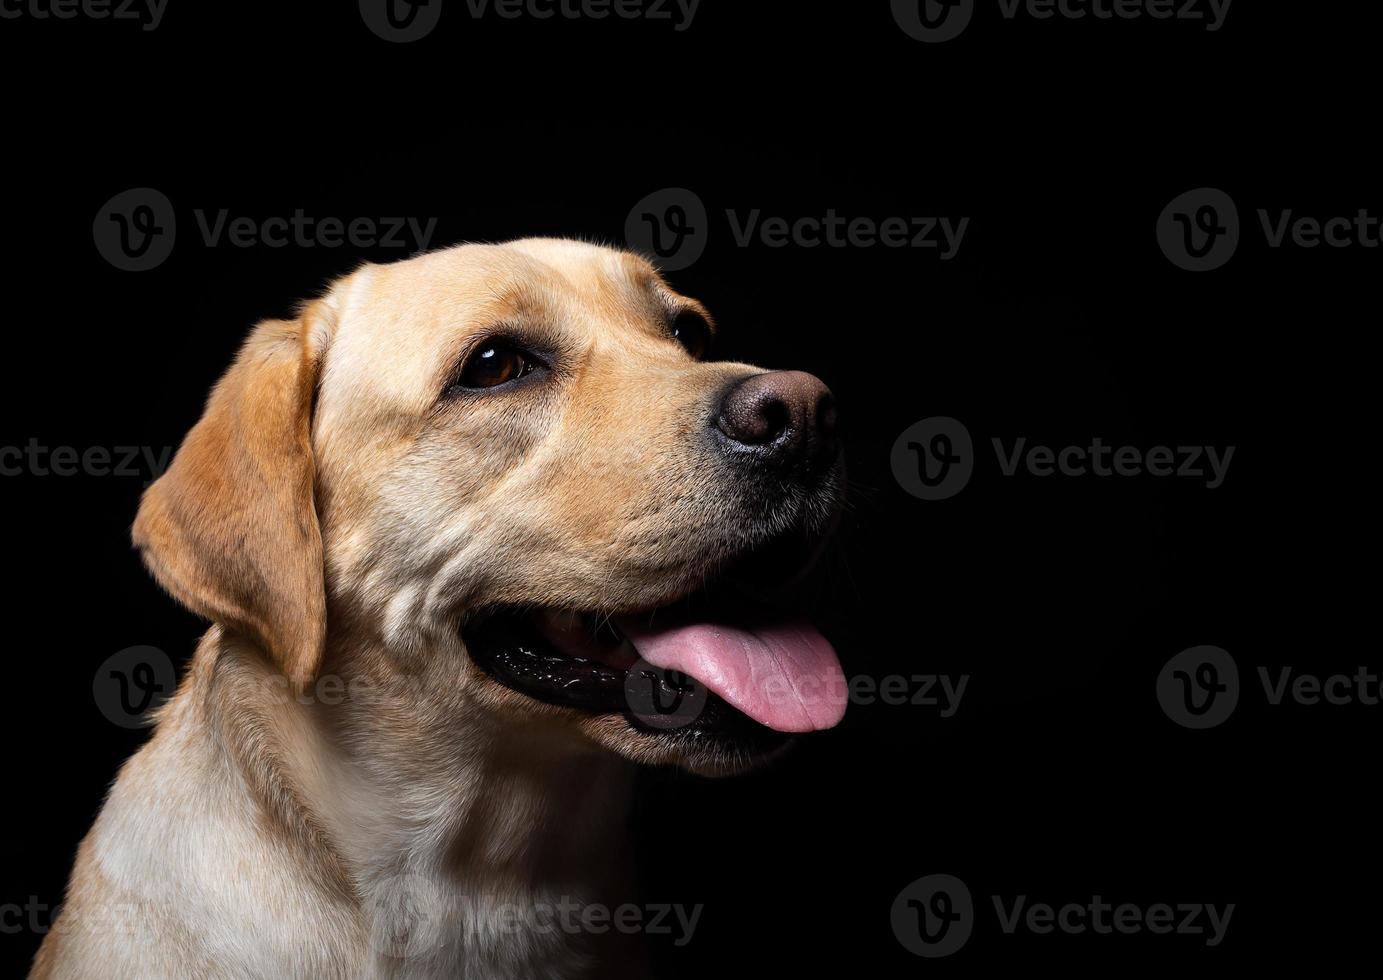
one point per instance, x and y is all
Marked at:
(402, 326)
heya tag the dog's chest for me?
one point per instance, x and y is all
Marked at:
(418, 929)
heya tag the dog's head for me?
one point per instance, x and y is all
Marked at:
(512, 470)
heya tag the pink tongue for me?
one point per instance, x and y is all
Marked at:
(784, 676)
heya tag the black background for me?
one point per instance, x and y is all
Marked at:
(1059, 777)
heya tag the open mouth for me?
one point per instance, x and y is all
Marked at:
(708, 666)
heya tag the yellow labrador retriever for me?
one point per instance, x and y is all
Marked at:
(460, 529)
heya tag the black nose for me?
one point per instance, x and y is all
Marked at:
(785, 416)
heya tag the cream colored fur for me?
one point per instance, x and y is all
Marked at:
(336, 790)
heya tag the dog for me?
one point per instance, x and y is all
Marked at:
(460, 529)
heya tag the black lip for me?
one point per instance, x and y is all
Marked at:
(507, 648)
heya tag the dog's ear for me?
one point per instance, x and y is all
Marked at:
(231, 528)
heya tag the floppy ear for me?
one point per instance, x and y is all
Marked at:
(231, 528)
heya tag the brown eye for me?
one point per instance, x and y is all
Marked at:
(495, 363)
(692, 332)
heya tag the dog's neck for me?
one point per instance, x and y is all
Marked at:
(476, 814)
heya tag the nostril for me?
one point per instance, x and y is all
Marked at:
(776, 417)
(754, 420)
